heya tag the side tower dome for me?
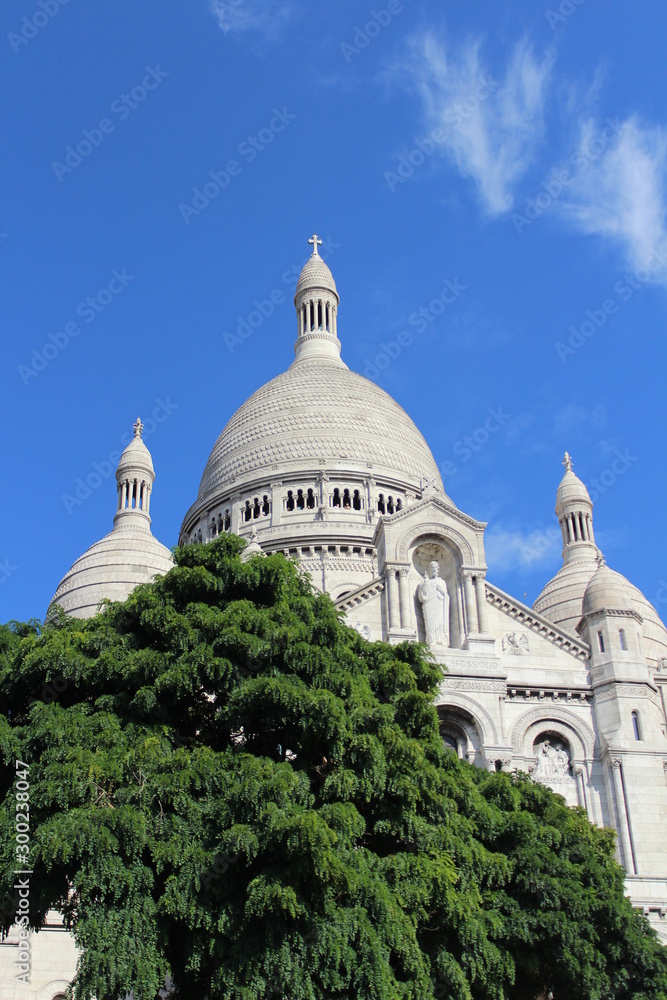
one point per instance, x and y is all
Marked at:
(128, 555)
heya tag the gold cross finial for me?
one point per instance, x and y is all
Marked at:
(315, 242)
(138, 428)
(567, 462)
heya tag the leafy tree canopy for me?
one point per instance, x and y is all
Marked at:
(230, 787)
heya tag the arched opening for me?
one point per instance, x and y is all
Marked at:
(336, 502)
(399, 503)
(300, 502)
(228, 520)
(256, 508)
(356, 500)
(636, 726)
(601, 642)
(289, 503)
(390, 505)
(310, 500)
(499, 765)
(247, 512)
(621, 639)
(266, 506)
(381, 504)
(346, 500)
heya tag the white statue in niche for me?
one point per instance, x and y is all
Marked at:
(432, 593)
(553, 763)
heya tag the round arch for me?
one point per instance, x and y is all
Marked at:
(433, 532)
(565, 724)
(481, 719)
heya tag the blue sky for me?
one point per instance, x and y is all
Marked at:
(516, 151)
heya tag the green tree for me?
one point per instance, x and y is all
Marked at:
(230, 787)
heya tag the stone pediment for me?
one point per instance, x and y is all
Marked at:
(530, 619)
(428, 505)
(359, 596)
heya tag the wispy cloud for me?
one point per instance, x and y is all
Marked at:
(511, 548)
(266, 17)
(492, 141)
(621, 196)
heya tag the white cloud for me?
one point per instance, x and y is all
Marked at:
(492, 131)
(517, 548)
(264, 16)
(620, 194)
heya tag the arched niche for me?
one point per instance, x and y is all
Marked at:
(461, 733)
(424, 550)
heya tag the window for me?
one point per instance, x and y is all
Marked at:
(346, 499)
(356, 501)
(300, 502)
(266, 506)
(336, 498)
(621, 637)
(247, 512)
(256, 509)
(310, 500)
(499, 765)
(601, 642)
(390, 505)
(228, 520)
(399, 504)
(381, 506)
(289, 503)
(636, 728)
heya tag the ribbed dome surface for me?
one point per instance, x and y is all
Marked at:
(112, 568)
(319, 414)
(136, 454)
(608, 591)
(316, 274)
(571, 489)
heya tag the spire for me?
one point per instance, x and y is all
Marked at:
(134, 477)
(316, 302)
(574, 509)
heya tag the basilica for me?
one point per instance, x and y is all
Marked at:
(322, 465)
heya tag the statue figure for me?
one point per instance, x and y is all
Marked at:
(432, 593)
(553, 764)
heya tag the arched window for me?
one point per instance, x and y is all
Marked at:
(266, 506)
(381, 507)
(289, 503)
(336, 498)
(390, 505)
(499, 765)
(346, 499)
(621, 638)
(356, 500)
(247, 512)
(399, 503)
(214, 530)
(601, 642)
(636, 728)
(310, 500)
(256, 509)
(228, 520)
(300, 502)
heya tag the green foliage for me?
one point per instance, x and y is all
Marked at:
(230, 787)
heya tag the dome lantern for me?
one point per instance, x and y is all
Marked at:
(316, 302)
(135, 477)
(574, 509)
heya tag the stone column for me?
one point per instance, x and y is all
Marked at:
(392, 598)
(480, 594)
(581, 787)
(404, 595)
(123, 495)
(624, 831)
(471, 611)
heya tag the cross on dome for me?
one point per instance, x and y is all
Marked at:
(314, 239)
(138, 428)
(567, 462)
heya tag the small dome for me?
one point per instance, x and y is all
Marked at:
(571, 489)
(136, 454)
(609, 591)
(112, 568)
(315, 274)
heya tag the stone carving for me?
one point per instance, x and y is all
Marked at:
(432, 593)
(363, 630)
(515, 644)
(553, 763)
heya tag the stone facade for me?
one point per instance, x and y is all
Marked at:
(324, 466)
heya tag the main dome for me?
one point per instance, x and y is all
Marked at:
(319, 414)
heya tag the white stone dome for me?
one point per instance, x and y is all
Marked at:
(315, 274)
(128, 555)
(112, 568)
(571, 490)
(607, 591)
(561, 599)
(319, 414)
